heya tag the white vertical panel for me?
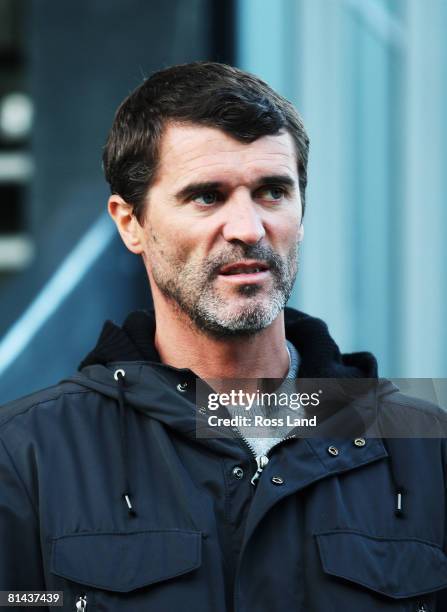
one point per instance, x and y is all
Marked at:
(370, 176)
(424, 254)
(325, 286)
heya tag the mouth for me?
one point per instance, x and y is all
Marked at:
(245, 271)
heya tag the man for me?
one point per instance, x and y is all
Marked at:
(108, 491)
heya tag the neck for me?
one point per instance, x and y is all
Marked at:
(181, 345)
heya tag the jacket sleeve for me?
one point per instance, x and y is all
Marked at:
(20, 552)
(441, 596)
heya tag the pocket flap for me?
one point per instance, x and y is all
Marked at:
(396, 567)
(125, 561)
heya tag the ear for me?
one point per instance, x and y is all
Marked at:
(126, 222)
(300, 232)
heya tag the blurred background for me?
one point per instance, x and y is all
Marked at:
(370, 80)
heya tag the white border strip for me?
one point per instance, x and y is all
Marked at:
(57, 289)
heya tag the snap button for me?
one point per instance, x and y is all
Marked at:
(360, 441)
(182, 387)
(332, 450)
(238, 472)
(119, 374)
(277, 480)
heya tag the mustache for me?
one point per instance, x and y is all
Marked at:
(245, 251)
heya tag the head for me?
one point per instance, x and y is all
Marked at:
(223, 118)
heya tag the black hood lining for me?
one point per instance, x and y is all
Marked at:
(320, 356)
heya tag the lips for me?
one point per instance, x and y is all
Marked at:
(243, 267)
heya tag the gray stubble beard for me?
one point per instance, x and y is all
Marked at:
(203, 305)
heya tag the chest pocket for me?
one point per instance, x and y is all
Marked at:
(395, 568)
(107, 568)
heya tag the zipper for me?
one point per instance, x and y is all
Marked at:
(246, 443)
(291, 437)
(261, 460)
(81, 603)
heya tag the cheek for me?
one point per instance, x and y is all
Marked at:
(177, 240)
(190, 241)
(171, 249)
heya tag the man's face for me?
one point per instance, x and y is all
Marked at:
(222, 226)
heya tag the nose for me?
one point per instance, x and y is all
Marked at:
(243, 221)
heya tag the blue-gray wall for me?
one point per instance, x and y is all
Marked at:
(83, 59)
(370, 79)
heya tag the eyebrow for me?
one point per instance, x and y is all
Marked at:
(283, 180)
(193, 188)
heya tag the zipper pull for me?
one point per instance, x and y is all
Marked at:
(262, 461)
(81, 603)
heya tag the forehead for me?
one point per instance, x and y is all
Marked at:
(194, 152)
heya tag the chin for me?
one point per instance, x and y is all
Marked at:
(238, 322)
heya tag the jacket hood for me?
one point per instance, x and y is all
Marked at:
(320, 356)
(169, 393)
(151, 383)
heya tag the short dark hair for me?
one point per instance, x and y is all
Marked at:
(206, 93)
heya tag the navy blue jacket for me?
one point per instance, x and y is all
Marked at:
(107, 495)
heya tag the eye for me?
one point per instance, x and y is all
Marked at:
(271, 194)
(207, 198)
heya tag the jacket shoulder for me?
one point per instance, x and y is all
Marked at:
(403, 414)
(32, 401)
(417, 404)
